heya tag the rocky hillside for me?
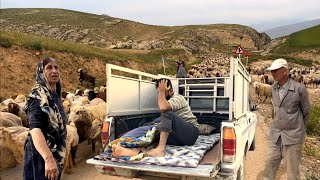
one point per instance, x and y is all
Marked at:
(115, 33)
(88, 41)
(18, 69)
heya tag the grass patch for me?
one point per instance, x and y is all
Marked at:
(86, 51)
(36, 46)
(306, 38)
(311, 151)
(4, 42)
(313, 126)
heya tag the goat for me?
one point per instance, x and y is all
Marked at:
(83, 76)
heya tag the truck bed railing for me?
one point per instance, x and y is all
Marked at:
(206, 95)
(130, 92)
(136, 93)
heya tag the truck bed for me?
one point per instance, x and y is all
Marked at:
(208, 166)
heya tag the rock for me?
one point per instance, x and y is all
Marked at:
(125, 38)
(53, 32)
(124, 45)
(85, 40)
(112, 47)
(101, 42)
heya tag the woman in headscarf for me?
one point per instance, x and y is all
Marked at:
(45, 145)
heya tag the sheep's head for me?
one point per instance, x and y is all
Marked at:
(79, 114)
(21, 98)
(257, 88)
(96, 128)
(13, 108)
(66, 106)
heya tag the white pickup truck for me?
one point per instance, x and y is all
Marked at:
(222, 102)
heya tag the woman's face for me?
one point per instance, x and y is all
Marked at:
(51, 71)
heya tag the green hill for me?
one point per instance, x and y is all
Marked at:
(307, 39)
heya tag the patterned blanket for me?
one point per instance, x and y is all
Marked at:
(184, 156)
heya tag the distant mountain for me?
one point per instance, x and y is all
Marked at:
(289, 29)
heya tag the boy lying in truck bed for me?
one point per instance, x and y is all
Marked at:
(176, 126)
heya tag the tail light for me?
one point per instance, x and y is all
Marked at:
(229, 144)
(105, 132)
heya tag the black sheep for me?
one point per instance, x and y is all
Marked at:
(83, 76)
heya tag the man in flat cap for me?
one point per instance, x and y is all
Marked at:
(292, 110)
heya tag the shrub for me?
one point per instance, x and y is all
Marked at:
(310, 150)
(5, 42)
(313, 127)
(36, 46)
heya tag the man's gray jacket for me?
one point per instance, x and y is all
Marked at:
(291, 114)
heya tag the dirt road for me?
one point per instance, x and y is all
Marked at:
(255, 160)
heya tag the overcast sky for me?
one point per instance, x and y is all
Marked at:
(259, 14)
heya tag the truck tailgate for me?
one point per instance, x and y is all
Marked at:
(200, 170)
(208, 167)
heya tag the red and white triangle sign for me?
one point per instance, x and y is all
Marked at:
(239, 50)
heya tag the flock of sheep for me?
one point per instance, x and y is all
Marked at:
(85, 116)
(216, 66)
(309, 77)
(86, 109)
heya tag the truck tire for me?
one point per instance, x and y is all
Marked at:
(240, 172)
(253, 144)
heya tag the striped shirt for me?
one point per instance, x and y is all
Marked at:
(180, 106)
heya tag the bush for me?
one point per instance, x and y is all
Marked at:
(5, 43)
(310, 150)
(36, 46)
(313, 127)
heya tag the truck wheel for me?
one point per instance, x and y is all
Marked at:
(253, 144)
(240, 173)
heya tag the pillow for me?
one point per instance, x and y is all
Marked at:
(205, 129)
(136, 132)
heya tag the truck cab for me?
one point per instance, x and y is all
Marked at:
(221, 102)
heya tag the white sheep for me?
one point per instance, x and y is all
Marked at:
(70, 96)
(98, 111)
(262, 89)
(71, 148)
(96, 101)
(83, 116)
(307, 80)
(66, 106)
(9, 120)
(84, 99)
(95, 133)
(13, 138)
(7, 159)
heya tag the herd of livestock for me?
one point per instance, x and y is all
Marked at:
(85, 115)
(86, 109)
